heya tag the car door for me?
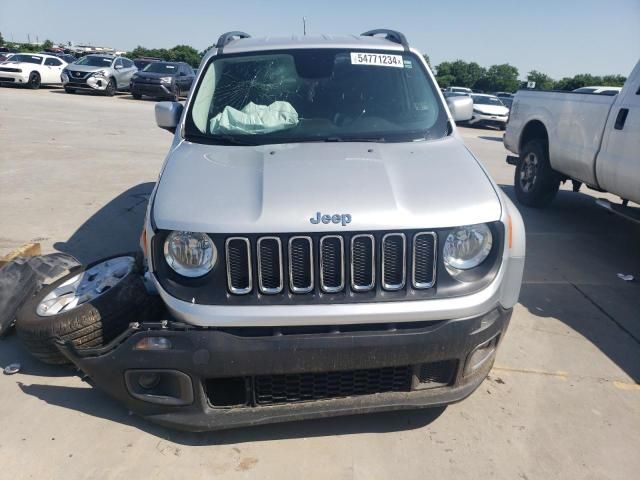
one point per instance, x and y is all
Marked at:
(129, 68)
(52, 68)
(188, 77)
(618, 162)
(118, 68)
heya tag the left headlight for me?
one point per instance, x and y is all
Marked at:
(467, 247)
(166, 79)
(190, 254)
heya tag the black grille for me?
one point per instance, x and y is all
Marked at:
(315, 264)
(332, 263)
(393, 261)
(362, 263)
(9, 69)
(238, 254)
(437, 374)
(301, 264)
(291, 388)
(424, 260)
(270, 265)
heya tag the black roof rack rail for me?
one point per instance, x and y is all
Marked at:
(225, 38)
(391, 35)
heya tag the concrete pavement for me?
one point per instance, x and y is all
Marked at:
(563, 401)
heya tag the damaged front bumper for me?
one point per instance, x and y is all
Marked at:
(197, 379)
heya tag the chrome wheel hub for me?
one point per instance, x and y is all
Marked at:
(528, 172)
(85, 286)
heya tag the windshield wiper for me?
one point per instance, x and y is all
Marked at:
(354, 139)
(220, 139)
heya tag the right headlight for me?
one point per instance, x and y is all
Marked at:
(467, 247)
(190, 254)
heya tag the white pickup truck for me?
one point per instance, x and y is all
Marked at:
(587, 138)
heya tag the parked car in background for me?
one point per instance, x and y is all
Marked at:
(590, 139)
(488, 110)
(63, 56)
(31, 70)
(99, 73)
(502, 95)
(163, 80)
(142, 62)
(464, 90)
(507, 101)
(611, 91)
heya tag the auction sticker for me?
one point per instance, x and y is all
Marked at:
(377, 59)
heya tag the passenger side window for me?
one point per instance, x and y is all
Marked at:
(127, 63)
(52, 62)
(118, 63)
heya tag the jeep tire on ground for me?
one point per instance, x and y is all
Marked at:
(108, 297)
(536, 183)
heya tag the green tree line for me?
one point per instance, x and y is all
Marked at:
(496, 78)
(504, 78)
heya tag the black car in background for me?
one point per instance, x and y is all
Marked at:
(163, 80)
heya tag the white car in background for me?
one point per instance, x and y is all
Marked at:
(488, 110)
(465, 90)
(32, 70)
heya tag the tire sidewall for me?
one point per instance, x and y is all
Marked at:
(111, 88)
(34, 85)
(547, 181)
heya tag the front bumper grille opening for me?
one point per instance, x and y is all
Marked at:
(424, 260)
(363, 277)
(394, 250)
(228, 392)
(332, 263)
(437, 374)
(301, 264)
(293, 388)
(270, 275)
(239, 277)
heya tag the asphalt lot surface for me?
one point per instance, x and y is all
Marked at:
(562, 402)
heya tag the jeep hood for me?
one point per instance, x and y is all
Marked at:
(278, 188)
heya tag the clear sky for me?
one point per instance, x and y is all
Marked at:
(560, 38)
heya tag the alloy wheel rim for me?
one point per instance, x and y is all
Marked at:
(86, 286)
(529, 172)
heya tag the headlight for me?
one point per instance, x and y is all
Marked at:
(190, 254)
(102, 73)
(166, 79)
(467, 247)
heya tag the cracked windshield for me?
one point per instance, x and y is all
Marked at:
(316, 96)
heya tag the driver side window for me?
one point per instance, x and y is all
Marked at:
(52, 62)
(118, 63)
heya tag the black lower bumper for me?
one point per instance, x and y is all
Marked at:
(217, 378)
(151, 90)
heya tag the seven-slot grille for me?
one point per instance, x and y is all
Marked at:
(360, 262)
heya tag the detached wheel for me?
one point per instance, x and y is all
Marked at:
(535, 182)
(111, 88)
(69, 90)
(34, 81)
(90, 308)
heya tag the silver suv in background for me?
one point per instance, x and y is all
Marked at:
(101, 73)
(324, 242)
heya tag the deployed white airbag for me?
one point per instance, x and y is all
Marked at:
(255, 119)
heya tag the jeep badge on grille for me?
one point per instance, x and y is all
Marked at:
(343, 218)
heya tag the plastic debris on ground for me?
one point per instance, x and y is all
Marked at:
(12, 369)
(626, 278)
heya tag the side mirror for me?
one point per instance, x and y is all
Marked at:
(461, 108)
(168, 115)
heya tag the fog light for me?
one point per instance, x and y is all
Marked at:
(153, 343)
(148, 380)
(481, 355)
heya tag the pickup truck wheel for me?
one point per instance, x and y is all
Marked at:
(34, 80)
(536, 183)
(89, 307)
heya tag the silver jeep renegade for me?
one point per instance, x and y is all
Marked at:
(324, 242)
